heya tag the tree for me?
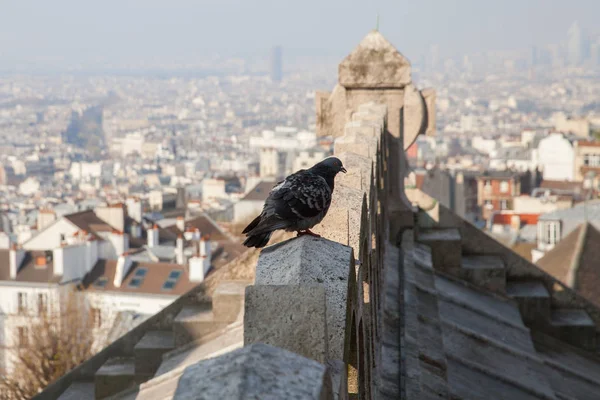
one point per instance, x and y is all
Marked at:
(59, 337)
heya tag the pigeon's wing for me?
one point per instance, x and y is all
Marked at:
(302, 195)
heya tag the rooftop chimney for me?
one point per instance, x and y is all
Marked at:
(153, 236)
(114, 215)
(196, 268)
(181, 224)
(16, 256)
(136, 230)
(179, 250)
(123, 265)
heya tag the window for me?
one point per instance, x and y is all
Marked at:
(23, 336)
(487, 185)
(503, 204)
(172, 280)
(135, 283)
(101, 282)
(138, 277)
(551, 233)
(174, 275)
(96, 317)
(504, 187)
(21, 303)
(488, 204)
(592, 160)
(141, 272)
(42, 303)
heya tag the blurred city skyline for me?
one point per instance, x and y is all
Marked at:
(67, 33)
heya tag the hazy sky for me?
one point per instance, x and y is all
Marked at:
(123, 31)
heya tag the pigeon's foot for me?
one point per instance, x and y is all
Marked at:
(308, 232)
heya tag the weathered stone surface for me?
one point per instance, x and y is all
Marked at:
(429, 96)
(486, 271)
(148, 352)
(291, 317)
(364, 128)
(228, 300)
(374, 107)
(574, 326)
(533, 299)
(415, 115)
(193, 322)
(115, 375)
(258, 371)
(374, 63)
(342, 223)
(357, 144)
(79, 391)
(446, 251)
(309, 261)
(359, 171)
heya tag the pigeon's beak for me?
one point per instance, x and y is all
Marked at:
(343, 170)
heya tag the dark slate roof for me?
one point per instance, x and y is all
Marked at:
(464, 342)
(90, 222)
(260, 192)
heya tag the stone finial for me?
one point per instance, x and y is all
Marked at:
(258, 371)
(374, 63)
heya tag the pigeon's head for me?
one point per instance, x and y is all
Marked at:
(329, 166)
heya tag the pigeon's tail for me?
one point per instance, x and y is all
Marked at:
(258, 240)
(252, 224)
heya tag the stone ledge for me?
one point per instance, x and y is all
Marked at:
(309, 261)
(359, 171)
(291, 317)
(342, 223)
(258, 371)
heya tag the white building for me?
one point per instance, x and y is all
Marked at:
(284, 138)
(252, 203)
(556, 157)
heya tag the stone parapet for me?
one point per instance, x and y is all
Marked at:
(277, 305)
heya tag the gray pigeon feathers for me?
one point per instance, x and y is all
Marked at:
(297, 203)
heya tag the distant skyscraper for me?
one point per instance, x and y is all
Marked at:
(575, 45)
(534, 56)
(276, 64)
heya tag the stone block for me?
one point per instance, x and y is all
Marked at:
(414, 115)
(79, 391)
(309, 261)
(149, 350)
(365, 146)
(446, 248)
(376, 108)
(371, 129)
(359, 171)
(228, 300)
(342, 223)
(574, 326)
(115, 375)
(429, 95)
(485, 271)
(194, 322)
(533, 299)
(288, 316)
(258, 371)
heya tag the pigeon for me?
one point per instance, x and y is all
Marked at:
(297, 203)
